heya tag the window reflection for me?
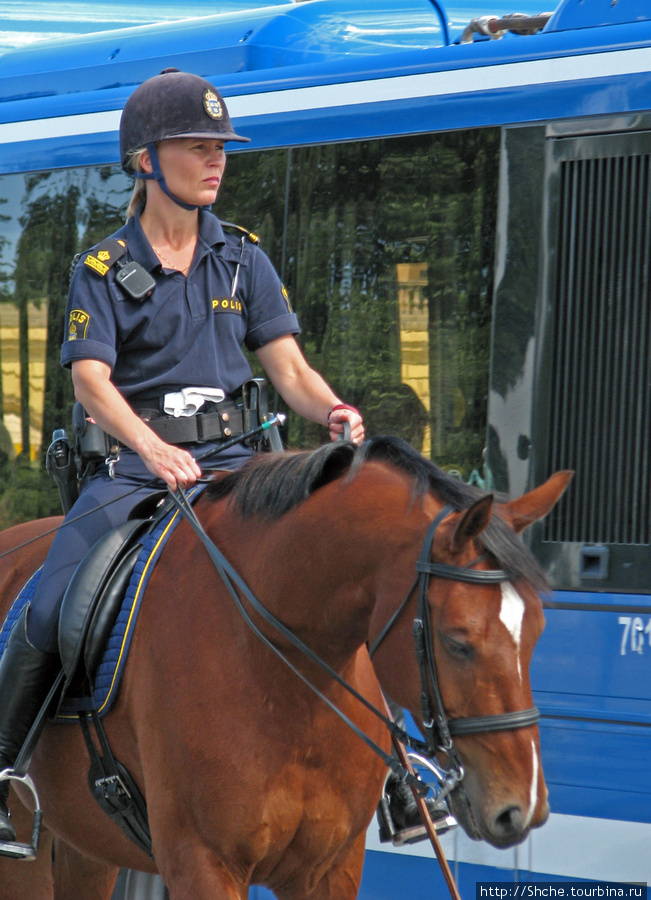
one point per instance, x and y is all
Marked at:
(11, 434)
(386, 248)
(414, 339)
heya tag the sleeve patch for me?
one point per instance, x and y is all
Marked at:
(285, 294)
(77, 324)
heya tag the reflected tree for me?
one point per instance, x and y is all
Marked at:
(61, 212)
(354, 214)
(47, 243)
(6, 445)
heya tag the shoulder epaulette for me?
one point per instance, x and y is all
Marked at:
(254, 238)
(104, 255)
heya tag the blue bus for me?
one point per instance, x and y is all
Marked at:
(461, 211)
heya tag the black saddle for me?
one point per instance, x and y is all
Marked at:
(94, 595)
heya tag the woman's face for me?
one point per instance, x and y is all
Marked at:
(193, 168)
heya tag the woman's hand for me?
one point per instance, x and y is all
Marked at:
(341, 413)
(106, 406)
(175, 466)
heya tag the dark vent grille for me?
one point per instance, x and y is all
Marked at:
(600, 411)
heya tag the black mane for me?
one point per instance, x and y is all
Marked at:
(272, 484)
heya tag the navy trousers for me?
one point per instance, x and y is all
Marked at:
(103, 504)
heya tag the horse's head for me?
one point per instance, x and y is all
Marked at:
(483, 631)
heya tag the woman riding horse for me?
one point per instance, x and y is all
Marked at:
(162, 306)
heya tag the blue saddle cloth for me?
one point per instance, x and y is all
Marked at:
(111, 668)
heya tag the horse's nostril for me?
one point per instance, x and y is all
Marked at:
(509, 822)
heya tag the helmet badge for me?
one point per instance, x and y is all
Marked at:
(212, 104)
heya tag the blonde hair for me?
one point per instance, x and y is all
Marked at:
(139, 194)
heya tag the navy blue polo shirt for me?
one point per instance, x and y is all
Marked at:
(190, 331)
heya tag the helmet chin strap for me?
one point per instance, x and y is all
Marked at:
(157, 175)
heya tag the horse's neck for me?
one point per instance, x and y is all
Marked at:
(318, 567)
(315, 584)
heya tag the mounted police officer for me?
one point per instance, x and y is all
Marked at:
(157, 315)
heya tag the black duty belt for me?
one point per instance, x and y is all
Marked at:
(223, 422)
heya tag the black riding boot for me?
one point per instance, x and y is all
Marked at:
(26, 676)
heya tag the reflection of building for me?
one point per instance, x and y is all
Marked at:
(9, 354)
(414, 336)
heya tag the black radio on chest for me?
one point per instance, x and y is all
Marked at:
(135, 280)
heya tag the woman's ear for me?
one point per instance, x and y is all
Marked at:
(145, 162)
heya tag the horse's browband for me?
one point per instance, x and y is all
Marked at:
(462, 573)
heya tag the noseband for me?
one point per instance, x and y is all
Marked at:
(438, 729)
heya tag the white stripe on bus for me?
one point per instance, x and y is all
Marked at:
(566, 846)
(557, 70)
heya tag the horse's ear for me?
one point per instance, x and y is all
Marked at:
(536, 504)
(471, 523)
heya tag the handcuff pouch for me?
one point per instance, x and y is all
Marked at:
(255, 409)
(93, 443)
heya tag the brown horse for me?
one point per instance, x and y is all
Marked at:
(249, 777)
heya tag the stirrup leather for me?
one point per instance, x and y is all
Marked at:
(15, 849)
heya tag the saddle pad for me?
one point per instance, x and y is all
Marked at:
(24, 596)
(111, 667)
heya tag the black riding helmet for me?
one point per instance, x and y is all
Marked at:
(173, 104)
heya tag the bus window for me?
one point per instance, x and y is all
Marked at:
(386, 248)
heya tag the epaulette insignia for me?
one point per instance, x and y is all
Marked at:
(106, 254)
(254, 238)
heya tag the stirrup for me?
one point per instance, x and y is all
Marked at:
(412, 834)
(14, 849)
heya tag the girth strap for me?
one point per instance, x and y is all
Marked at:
(113, 787)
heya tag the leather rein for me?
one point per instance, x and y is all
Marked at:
(438, 729)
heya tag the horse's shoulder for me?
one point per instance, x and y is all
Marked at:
(22, 551)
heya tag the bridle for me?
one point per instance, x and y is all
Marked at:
(438, 729)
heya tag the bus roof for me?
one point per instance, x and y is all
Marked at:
(326, 70)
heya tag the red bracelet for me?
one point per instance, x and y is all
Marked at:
(342, 406)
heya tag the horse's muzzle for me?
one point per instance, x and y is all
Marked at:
(506, 826)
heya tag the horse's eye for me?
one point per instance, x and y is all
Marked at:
(461, 650)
